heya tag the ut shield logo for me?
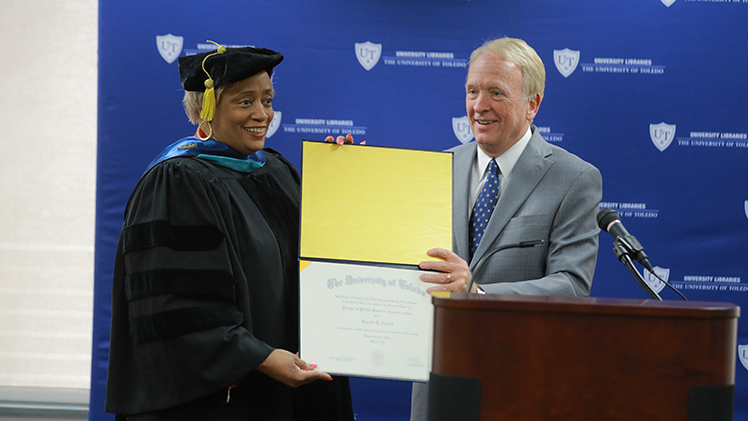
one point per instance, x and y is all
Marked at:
(662, 135)
(654, 283)
(743, 355)
(368, 54)
(169, 46)
(461, 129)
(274, 124)
(566, 61)
(667, 3)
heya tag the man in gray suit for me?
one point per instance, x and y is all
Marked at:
(544, 193)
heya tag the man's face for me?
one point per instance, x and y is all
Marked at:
(496, 109)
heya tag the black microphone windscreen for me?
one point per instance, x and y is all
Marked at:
(605, 217)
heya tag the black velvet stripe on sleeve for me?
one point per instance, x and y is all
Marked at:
(194, 283)
(174, 323)
(179, 238)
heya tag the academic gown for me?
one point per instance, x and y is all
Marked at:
(205, 287)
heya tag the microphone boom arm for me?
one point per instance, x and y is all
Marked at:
(623, 248)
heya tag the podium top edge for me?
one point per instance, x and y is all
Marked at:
(596, 305)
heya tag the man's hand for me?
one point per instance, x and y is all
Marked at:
(455, 275)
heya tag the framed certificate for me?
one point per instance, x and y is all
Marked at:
(368, 216)
(366, 321)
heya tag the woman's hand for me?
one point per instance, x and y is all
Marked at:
(455, 275)
(289, 369)
(340, 140)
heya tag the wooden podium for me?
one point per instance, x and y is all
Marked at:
(561, 358)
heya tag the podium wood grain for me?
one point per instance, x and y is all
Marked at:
(542, 358)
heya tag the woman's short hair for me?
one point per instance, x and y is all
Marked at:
(193, 103)
(518, 52)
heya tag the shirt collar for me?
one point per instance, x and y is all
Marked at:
(508, 159)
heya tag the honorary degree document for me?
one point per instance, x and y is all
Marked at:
(368, 216)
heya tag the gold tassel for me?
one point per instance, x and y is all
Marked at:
(209, 97)
(209, 102)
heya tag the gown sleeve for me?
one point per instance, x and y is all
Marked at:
(177, 323)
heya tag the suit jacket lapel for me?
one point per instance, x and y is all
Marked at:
(462, 164)
(527, 173)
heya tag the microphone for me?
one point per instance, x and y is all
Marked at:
(479, 265)
(609, 221)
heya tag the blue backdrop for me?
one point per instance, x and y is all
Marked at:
(652, 92)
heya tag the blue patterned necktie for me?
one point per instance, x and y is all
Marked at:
(484, 206)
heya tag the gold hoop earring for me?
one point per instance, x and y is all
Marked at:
(200, 131)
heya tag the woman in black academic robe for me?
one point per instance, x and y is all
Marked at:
(205, 292)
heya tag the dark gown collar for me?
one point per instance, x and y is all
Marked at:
(211, 150)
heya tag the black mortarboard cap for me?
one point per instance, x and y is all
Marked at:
(233, 65)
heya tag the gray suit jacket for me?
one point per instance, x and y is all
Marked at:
(551, 195)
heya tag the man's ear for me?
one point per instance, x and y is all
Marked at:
(534, 103)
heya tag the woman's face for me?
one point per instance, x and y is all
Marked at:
(243, 114)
